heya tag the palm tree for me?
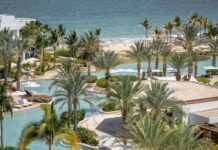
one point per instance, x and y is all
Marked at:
(177, 22)
(125, 91)
(147, 25)
(5, 107)
(158, 98)
(165, 53)
(98, 33)
(7, 45)
(193, 57)
(194, 18)
(168, 27)
(137, 53)
(214, 48)
(178, 61)
(157, 32)
(72, 41)
(148, 133)
(157, 45)
(61, 32)
(69, 85)
(212, 31)
(21, 46)
(50, 129)
(54, 42)
(106, 60)
(89, 43)
(148, 54)
(186, 137)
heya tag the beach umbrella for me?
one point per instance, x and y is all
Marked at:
(18, 93)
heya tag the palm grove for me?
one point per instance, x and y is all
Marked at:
(146, 118)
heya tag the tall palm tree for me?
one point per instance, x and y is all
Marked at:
(106, 60)
(61, 32)
(186, 137)
(148, 133)
(214, 49)
(177, 22)
(157, 32)
(193, 57)
(69, 85)
(158, 98)
(168, 27)
(157, 45)
(178, 61)
(137, 53)
(5, 107)
(125, 91)
(22, 44)
(89, 43)
(212, 31)
(194, 18)
(98, 33)
(54, 42)
(72, 41)
(146, 25)
(165, 53)
(148, 54)
(50, 129)
(7, 51)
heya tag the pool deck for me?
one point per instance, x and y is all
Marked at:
(107, 126)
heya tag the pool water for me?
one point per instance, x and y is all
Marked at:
(13, 126)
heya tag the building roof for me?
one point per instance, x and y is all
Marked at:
(191, 92)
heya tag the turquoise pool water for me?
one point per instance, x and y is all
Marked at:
(13, 126)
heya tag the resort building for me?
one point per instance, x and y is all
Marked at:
(200, 101)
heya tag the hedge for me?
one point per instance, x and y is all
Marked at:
(216, 83)
(80, 115)
(111, 105)
(63, 53)
(203, 80)
(90, 79)
(87, 136)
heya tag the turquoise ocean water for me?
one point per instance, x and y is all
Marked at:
(118, 19)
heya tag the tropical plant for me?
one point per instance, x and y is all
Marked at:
(61, 32)
(50, 129)
(106, 60)
(146, 25)
(194, 18)
(5, 107)
(125, 91)
(7, 45)
(137, 53)
(70, 85)
(157, 45)
(213, 43)
(194, 57)
(73, 43)
(168, 27)
(165, 53)
(178, 61)
(89, 43)
(54, 42)
(158, 99)
(21, 46)
(177, 22)
(157, 32)
(148, 53)
(212, 31)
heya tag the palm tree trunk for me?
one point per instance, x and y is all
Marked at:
(164, 69)
(178, 76)
(139, 69)
(89, 64)
(54, 49)
(49, 146)
(18, 71)
(9, 68)
(214, 60)
(196, 69)
(170, 36)
(124, 118)
(146, 33)
(41, 58)
(149, 70)
(157, 62)
(107, 78)
(75, 115)
(190, 70)
(70, 109)
(5, 73)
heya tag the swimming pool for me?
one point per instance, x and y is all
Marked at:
(13, 126)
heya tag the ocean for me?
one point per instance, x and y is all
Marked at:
(118, 19)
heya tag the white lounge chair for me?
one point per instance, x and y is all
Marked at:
(22, 103)
(25, 101)
(16, 105)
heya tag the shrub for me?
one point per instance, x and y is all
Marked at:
(87, 136)
(40, 98)
(203, 80)
(8, 148)
(48, 58)
(101, 82)
(216, 83)
(80, 115)
(63, 53)
(41, 70)
(111, 105)
(80, 61)
(90, 79)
